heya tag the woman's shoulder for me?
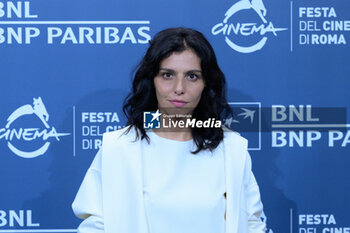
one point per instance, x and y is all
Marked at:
(118, 138)
(121, 141)
(230, 134)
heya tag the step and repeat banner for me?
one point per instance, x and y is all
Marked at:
(66, 66)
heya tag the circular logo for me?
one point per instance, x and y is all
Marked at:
(246, 29)
(29, 134)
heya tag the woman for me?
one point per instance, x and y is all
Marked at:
(179, 179)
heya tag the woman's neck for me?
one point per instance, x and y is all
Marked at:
(175, 134)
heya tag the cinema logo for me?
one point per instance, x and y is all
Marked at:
(302, 126)
(157, 120)
(21, 136)
(237, 31)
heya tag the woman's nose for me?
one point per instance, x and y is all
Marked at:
(179, 85)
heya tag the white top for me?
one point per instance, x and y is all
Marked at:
(184, 192)
(111, 197)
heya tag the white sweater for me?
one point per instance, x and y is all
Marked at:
(184, 192)
(111, 197)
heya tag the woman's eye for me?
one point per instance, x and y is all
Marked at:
(167, 75)
(192, 77)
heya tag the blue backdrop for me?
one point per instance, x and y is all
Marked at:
(66, 66)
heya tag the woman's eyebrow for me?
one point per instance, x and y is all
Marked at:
(194, 71)
(188, 71)
(167, 69)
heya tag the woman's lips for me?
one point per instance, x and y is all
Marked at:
(178, 103)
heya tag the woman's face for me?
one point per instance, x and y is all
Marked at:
(179, 83)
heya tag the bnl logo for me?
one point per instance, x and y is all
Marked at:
(151, 120)
(246, 120)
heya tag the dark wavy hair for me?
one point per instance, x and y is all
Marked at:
(213, 103)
